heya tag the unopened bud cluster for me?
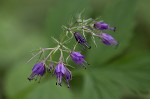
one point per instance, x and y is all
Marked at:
(77, 31)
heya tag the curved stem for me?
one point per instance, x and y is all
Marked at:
(45, 49)
(49, 55)
(66, 48)
(75, 46)
(68, 40)
(34, 56)
(67, 59)
(61, 55)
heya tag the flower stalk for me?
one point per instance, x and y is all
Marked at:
(77, 31)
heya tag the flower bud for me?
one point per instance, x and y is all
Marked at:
(81, 40)
(77, 58)
(60, 71)
(38, 69)
(103, 26)
(107, 39)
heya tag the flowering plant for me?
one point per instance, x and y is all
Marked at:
(77, 30)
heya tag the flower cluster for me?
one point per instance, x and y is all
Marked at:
(77, 31)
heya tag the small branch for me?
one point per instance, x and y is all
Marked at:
(61, 55)
(34, 56)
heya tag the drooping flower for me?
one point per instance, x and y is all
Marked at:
(81, 40)
(38, 70)
(77, 58)
(107, 39)
(60, 71)
(68, 76)
(51, 66)
(103, 26)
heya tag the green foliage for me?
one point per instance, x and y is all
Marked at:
(113, 73)
(114, 80)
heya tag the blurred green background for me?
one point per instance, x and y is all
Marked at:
(122, 73)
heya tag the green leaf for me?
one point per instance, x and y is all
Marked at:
(89, 89)
(16, 79)
(115, 80)
(48, 89)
